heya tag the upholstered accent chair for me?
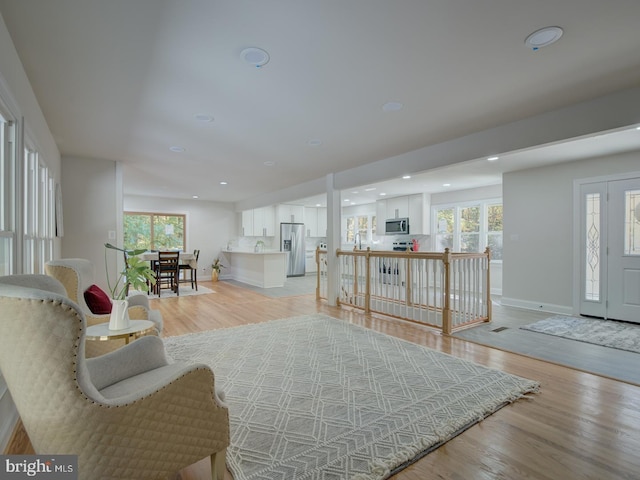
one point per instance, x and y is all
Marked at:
(77, 275)
(130, 414)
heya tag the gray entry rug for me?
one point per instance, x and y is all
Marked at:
(313, 397)
(608, 333)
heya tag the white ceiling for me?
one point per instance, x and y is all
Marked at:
(124, 80)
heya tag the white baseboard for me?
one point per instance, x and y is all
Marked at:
(539, 306)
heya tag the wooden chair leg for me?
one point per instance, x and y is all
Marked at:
(218, 465)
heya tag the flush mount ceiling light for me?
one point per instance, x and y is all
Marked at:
(256, 57)
(493, 159)
(406, 177)
(543, 37)
(223, 183)
(204, 118)
(392, 107)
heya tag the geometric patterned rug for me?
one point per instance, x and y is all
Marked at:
(608, 333)
(314, 397)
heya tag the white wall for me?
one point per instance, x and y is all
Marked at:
(210, 225)
(90, 201)
(538, 230)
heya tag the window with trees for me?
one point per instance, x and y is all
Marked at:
(154, 231)
(469, 227)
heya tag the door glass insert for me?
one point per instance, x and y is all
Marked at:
(632, 222)
(592, 238)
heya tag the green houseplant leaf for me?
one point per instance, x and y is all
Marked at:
(137, 273)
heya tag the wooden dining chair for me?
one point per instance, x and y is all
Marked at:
(192, 268)
(168, 272)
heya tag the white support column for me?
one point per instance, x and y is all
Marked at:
(334, 216)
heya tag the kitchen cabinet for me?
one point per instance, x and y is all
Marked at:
(290, 213)
(259, 222)
(416, 207)
(247, 223)
(264, 220)
(315, 221)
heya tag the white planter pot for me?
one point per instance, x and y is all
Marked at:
(119, 315)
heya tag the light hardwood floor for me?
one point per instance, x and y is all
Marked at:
(580, 426)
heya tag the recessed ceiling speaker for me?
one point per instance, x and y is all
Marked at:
(255, 57)
(543, 37)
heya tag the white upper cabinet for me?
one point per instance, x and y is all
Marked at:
(264, 220)
(259, 222)
(247, 223)
(315, 221)
(290, 213)
(416, 207)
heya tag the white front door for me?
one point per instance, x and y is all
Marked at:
(624, 250)
(610, 249)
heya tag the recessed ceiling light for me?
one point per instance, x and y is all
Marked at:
(318, 204)
(223, 183)
(406, 177)
(177, 149)
(314, 142)
(446, 184)
(370, 189)
(493, 159)
(382, 194)
(255, 57)
(269, 163)
(347, 200)
(543, 37)
(195, 196)
(204, 118)
(392, 107)
(637, 128)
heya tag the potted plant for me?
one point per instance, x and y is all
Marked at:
(137, 274)
(216, 266)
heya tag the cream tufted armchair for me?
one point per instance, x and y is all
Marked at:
(129, 414)
(77, 275)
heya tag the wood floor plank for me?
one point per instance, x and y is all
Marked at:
(579, 426)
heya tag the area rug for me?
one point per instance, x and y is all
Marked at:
(313, 397)
(185, 291)
(608, 333)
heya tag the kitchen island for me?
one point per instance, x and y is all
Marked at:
(265, 269)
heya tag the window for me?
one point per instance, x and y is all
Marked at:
(7, 197)
(365, 225)
(469, 227)
(38, 201)
(154, 231)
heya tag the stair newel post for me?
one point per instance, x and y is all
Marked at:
(367, 293)
(446, 311)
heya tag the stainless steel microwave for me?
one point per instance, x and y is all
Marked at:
(397, 226)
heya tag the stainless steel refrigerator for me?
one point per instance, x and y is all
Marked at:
(292, 241)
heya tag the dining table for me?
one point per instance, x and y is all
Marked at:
(184, 258)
